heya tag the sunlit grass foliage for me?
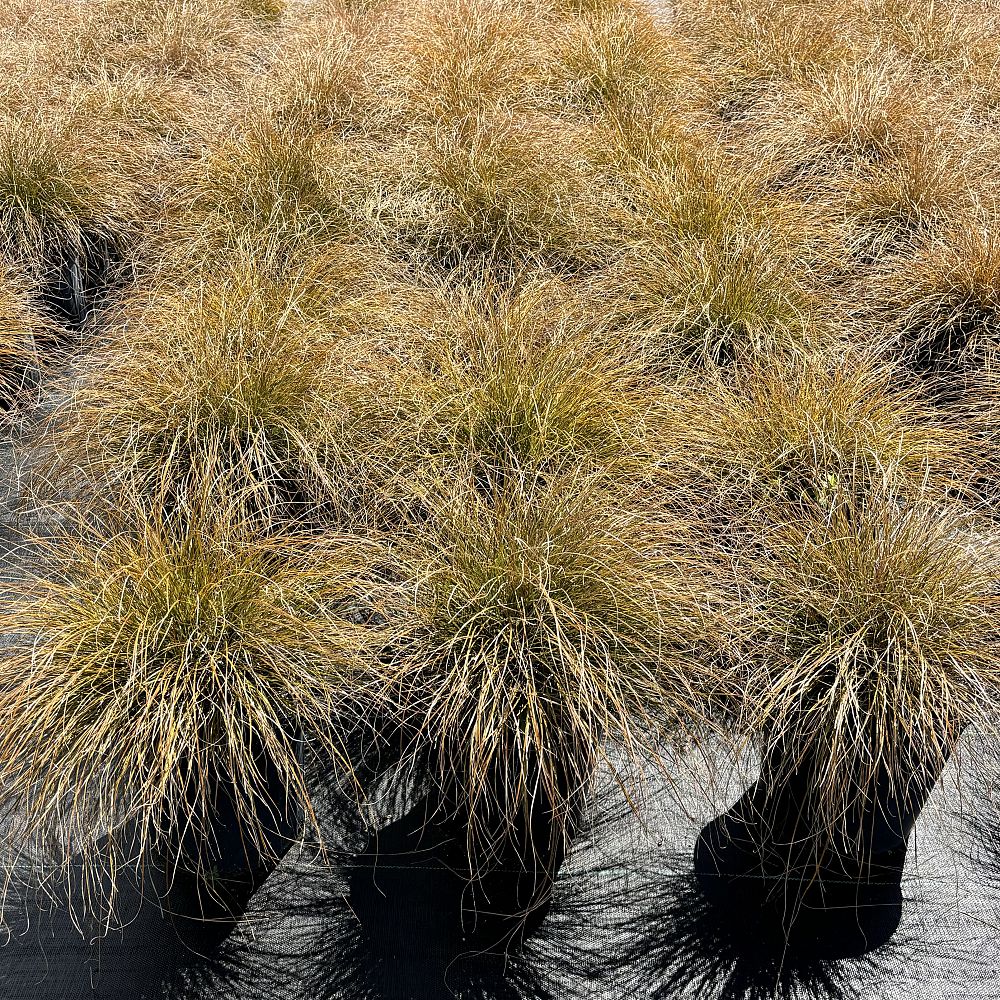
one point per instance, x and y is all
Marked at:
(875, 644)
(22, 332)
(140, 656)
(537, 627)
(621, 366)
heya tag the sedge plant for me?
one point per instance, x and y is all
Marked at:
(148, 659)
(782, 431)
(707, 268)
(453, 61)
(240, 375)
(498, 192)
(607, 60)
(533, 630)
(525, 380)
(941, 301)
(874, 645)
(267, 177)
(69, 205)
(22, 336)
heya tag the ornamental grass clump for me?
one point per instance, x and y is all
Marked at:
(608, 60)
(537, 629)
(707, 268)
(69, 207)
(852, 141)
(320, 77)
(939, 38)
(449, 62)
(267, 178)
(241, 375)
(523, 386)
(753, 48)
(151, 662)
(498, 192)
(941, 302)
(868, 645)
(203, 44)
(873, 644)
(929, 180)
(814, 429)
(23, 333)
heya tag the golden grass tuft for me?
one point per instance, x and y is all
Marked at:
(707, 267)
(873, 644)
(536, 628)
(64, 194)
(237, 374)
(753, 47)
(813, 430)
(523, 386)
(321, 76)
(209, 41)
(942, 300)
(267, 179)
(449, 62)
(941, 37)
(138, 658)
(610, 59)
(22, 330)
(887, 154)
(496, 192)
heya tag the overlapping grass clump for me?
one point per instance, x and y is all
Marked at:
(877, 646)
(609, 338)
(537, 624)
(143, 653)
(22, 335)
(67, 203)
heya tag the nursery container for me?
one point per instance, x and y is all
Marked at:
(481, 882)
(763, 859)
(215, 864)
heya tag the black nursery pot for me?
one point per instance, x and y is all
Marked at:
(760, 861)
(423, 890)
(215, 865)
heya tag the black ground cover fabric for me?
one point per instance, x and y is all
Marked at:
(627, 921)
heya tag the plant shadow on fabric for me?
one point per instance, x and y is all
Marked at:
(979, 817)
(57, 952)
(688, 947)
(324, 947)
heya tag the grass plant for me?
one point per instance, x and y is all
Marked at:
(321, 76)
(66, 199)
(239, 375)
(497, 192)
(610, 59)
(524, 385)
(707, 268)
(942, 300)
(752, 47)
(204, 42)
(22, 333)
(536, 628)
(454, 61)
(874, 643)
(264, 178)
(783, 432)
(138, 657)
